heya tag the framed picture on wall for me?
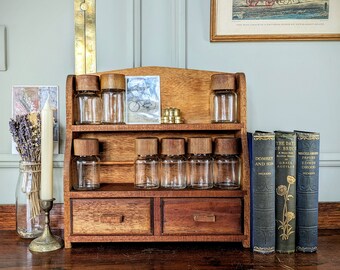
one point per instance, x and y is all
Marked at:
(261, 20)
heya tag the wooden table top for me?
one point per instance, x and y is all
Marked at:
(14, 254)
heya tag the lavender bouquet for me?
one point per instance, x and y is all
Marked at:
(26, 133)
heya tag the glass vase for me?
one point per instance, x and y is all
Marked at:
(29, 218)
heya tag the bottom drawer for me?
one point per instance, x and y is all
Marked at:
(202, 216)
(111, 216)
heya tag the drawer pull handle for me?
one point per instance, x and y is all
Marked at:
(111, 218)
(205, 218)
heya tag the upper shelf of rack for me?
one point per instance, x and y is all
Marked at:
(186, 89)
(156, 127)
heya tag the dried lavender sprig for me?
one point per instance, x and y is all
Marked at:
(13, 128)
(26, 133)
(25, 130)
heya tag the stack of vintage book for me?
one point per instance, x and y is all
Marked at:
(284, 191)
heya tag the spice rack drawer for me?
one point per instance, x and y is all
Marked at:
(195, 216)
(111, 216)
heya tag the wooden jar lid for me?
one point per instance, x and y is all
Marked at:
(227, 146)
(199, 145)
(173, 146)
(112, 81)
(87, 83)
(86, 147)
(146, 146)
(222, 81)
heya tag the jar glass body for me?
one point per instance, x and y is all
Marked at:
(223, 106)
(87, 173)
(173, 171)
(227, 171)
(147, 172)
(29, 219)
(200, 171)
(113, 111)
(89, 108)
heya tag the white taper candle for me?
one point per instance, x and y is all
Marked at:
(46, 190)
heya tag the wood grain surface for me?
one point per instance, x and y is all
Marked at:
(111, 216)
(14, 254)
(7, 216)
(329, 216)
(192, 216)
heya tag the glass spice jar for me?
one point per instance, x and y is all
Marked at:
(113, 98)
(227, 163)
(200, 163)
(87, 171)
(147, 163)
(173, 163)
(223, 99)
(88, 106)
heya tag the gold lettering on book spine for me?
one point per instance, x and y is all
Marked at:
(264, 138)
(308, 137)
(264, 249)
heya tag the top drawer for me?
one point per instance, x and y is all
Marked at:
(111, 216)
(202, 216)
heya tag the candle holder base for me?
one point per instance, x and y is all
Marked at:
(47, 241)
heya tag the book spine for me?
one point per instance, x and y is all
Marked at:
(263, 192)
(307, 189)
(285, 183)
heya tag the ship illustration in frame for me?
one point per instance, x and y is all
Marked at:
(253, 3)
(264, 20)
(280, 9)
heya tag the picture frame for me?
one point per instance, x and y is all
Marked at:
(143, 101)
(274, 20)
(32, 98)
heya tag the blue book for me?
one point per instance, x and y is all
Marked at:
(285, 183)
(307, 189)
(262, 184)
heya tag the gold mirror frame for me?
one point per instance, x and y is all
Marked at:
(85, 36)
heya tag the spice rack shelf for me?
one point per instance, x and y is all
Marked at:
(117, 212)
(115, 190)
(164, 238)
(155, 127)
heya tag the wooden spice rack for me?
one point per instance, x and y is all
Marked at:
(118, 212)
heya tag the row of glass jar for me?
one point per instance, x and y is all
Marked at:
(102, 99)
(199, 168)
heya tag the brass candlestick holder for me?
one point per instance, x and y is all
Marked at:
(47, 241)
